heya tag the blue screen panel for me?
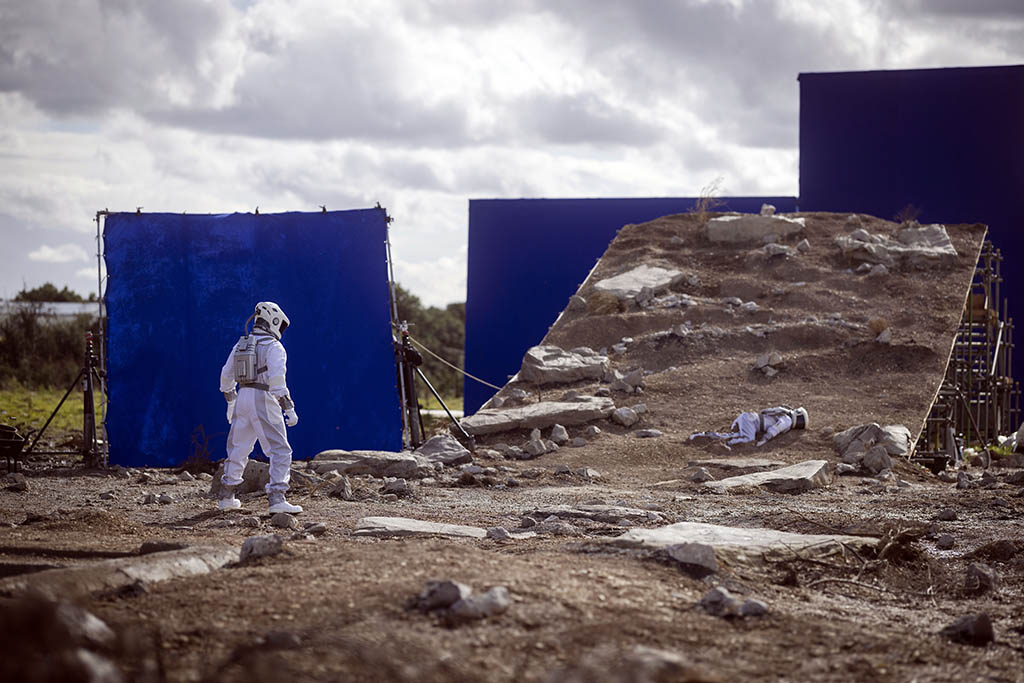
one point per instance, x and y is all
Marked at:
(180, 288)
(528, 256)
(948, 142)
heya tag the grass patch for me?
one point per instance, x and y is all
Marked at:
(29, 408)
(428, 402)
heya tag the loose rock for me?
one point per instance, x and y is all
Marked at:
(260, 546)
(972, 629)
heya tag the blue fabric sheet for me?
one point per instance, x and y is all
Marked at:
(180, 288)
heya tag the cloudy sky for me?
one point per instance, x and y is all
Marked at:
(213, 106)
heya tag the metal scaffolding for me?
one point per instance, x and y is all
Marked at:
(978, 399)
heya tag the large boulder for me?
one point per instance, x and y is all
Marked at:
(751, 228)
(553, 365)
(377, 463)
(860, 439)
(539, 415)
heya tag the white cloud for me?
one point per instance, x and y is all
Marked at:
(223, 105)
(64, 253)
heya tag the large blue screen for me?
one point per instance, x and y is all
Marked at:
(528, 256)
(948, 143)
(180, 288)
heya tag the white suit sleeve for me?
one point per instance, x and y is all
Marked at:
(277, 370)
(783, 423)
(227, 373)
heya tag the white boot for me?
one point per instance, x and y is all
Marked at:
(227, 498)
(279, 504)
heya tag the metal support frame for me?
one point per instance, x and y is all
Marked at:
(978, 399)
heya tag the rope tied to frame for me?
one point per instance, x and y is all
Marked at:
(451, 365)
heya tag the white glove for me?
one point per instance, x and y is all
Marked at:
(761, 442)
(291, 418)
(231, 397)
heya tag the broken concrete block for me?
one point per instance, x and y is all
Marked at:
(401, 526)
(553, 365)
(627, 285)
(445, 449)
(746, 228)
(379, 464)
(541, 415)
(804, 476)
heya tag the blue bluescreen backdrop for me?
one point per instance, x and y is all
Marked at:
(528, 256)
(949, 142)
(181, 286)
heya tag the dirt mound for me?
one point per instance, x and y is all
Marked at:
(698, 340)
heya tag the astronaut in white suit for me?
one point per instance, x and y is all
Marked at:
(761, 427)
(258, 364)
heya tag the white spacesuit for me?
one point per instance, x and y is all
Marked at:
(767, 424)
(258, 364)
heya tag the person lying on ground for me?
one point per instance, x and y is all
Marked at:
(760, 427)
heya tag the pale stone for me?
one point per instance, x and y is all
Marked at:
(553, 365)
(401, 526)
(804, 476)
(627, 285)
(445, 449)
(493, 602)
(559, 434)
(260, 546)
(609, 514)
(648, 433)
(540, 415)
(283, 520)
(626, 417)
(696, 559)
(733, 544)
(757, 464)
(925, 246)
(751, 228)
(380, 464)
(876, 460)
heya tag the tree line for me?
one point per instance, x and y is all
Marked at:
(36, 351)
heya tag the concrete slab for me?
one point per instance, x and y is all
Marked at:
(553, 365)
(734, 545)
(804, 476)
(609, 514)
(538, 415)
(751, 228)
(377, 463)
(402, 526)
(628, 284)
(122, 571)
(753, 464)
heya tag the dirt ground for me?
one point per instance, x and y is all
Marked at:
(335, 607)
